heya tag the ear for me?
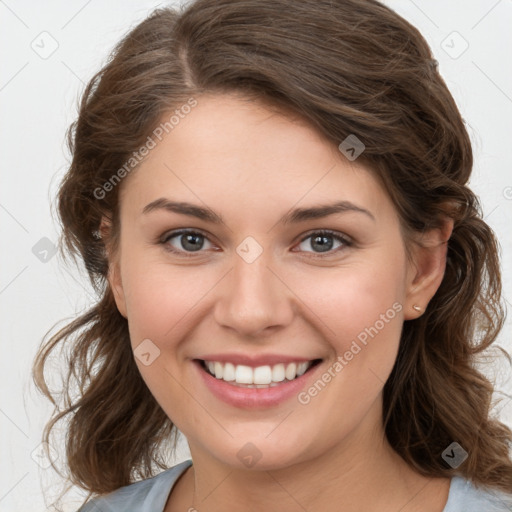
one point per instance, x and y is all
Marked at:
(426, 268)
(114, 270)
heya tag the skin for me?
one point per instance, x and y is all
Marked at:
(251, 165)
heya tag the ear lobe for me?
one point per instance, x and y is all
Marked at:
(427, 268)
(114, 270)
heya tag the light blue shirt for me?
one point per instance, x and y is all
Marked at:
(151, 496)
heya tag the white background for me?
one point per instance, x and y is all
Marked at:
(38, 99)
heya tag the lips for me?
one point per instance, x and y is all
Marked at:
(251, 395)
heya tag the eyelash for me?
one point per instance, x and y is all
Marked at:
(347, 242)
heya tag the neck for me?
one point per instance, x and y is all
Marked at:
(361, 473)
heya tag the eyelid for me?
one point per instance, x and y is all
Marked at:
(334, 234)
(182, 231)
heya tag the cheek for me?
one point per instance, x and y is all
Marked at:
(362, 315)
(359, 309)
(347, 301)
(160, 303)
(159, 297)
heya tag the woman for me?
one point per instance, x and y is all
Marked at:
(271, 200)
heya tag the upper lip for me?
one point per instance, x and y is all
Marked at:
(256, 360)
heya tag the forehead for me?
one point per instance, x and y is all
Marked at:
(234, 151)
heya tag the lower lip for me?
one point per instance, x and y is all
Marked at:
(254, 398)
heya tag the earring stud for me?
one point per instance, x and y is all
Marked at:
(417, 308)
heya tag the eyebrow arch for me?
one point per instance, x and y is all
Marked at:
(293, 216)
(184, 208)
(317, 212)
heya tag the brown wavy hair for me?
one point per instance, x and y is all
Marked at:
(347, 67)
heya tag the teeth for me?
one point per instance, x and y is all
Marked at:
(243, 374)
(219, 370)
(301, 368)
(278, 373)
(261, 376)
(291, 371)
(229, 372)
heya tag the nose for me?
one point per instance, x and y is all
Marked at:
(254, 300)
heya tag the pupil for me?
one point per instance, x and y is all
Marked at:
(191, 242)
(324, 242)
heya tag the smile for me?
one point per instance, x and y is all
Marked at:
(257, 377)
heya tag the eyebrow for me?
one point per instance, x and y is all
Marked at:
(293, 216)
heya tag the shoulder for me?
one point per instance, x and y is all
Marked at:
(464, 496)
(148, 495)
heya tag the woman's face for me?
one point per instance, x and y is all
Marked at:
(246, 276)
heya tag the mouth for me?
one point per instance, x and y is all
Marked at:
(259, 377)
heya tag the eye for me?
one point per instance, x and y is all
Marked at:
(184, 241)
(187, 242)
(324, 242)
